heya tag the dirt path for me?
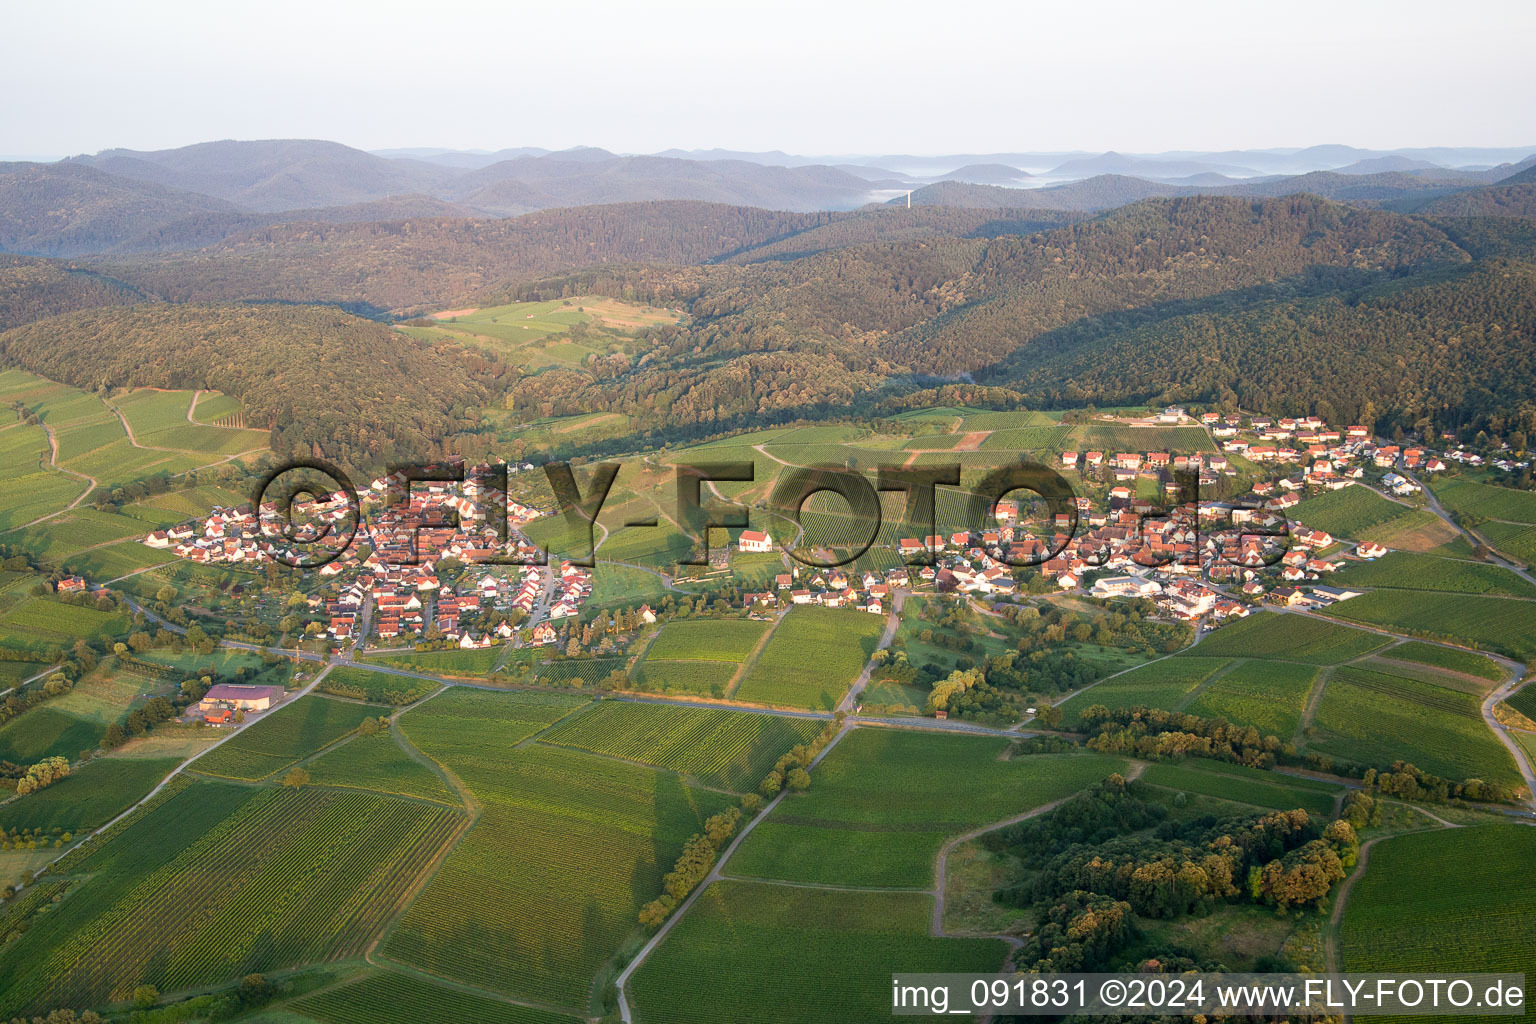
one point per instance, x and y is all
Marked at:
(1314, 700)
(750, 661)
(941, 865)
(892, 623)
(715, 875)
(53, 464)
(237, 730)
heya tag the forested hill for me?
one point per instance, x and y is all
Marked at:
(1446, 347)
(415, 265)
(335, 385)
(852, 327)
(31, 289)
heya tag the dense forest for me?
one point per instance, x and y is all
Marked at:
(31, 289)
(1192, 299)
(414, 265)
(1212, 300)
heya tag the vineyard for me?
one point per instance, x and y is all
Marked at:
(390, 998)
(883, 802)
(812, 658)
(1268, 695)
(474, 664)
(41, 623)
(1374, 719)
(1519, 542)
(1349, 512)
(379, 687)
(707, 640)
(1499, 624)
(568, 848)
(380, 764)
(1451, 900)
(1286, 637)
(282, 738)
(705, 678)
(1157, 684)
(793, 955)
(91, 795)
(1407, 571)
(564, 671)
(1487, 501)
(728, 749)
(217, 881)
(1245, 785)
(1448, 658)
(1524, 701)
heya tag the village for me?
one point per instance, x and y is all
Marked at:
(1128, 535)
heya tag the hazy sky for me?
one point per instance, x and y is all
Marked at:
(828, 76)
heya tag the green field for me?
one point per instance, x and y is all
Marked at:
(379, 687)
(796, 955)
(379, 763)
(884, 800)
(1445, 657)
(729, 749)
(1499, 624)
(569, 846)
(41, 624)
(282, 738)
(390, 998)
(705, 678)
(1281, 636)
(1246, 785)
(476, 664)
(92, 794)
(212, 881)
(1408, 571)
(1159, 684)
(707, 640)
(1517, 541)
(1373, 719)
(1487, 501)
(1524, 701)
(1268, 695)
(49, 730)
(1348, 512)
(812, 658)
(1451, 900)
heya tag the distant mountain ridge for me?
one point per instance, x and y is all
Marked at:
(127, 201)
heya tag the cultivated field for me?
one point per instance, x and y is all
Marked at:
(283, 737)
(1246, 785)
(379, 687)
(812, 658)
(796, 955)
(729, 749)
(568, 848)
(1159, 684)
(1450, 900)
(213, 881)
(1405, 570)
(1499, 624)
(1374, 719)
(884, 800)
(90, 796)
(390, 998)
(1268, 695)
(1287, 637)
(378, 763)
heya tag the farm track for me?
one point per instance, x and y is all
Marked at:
(53, 464)
(716, 874)
(178, 770)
